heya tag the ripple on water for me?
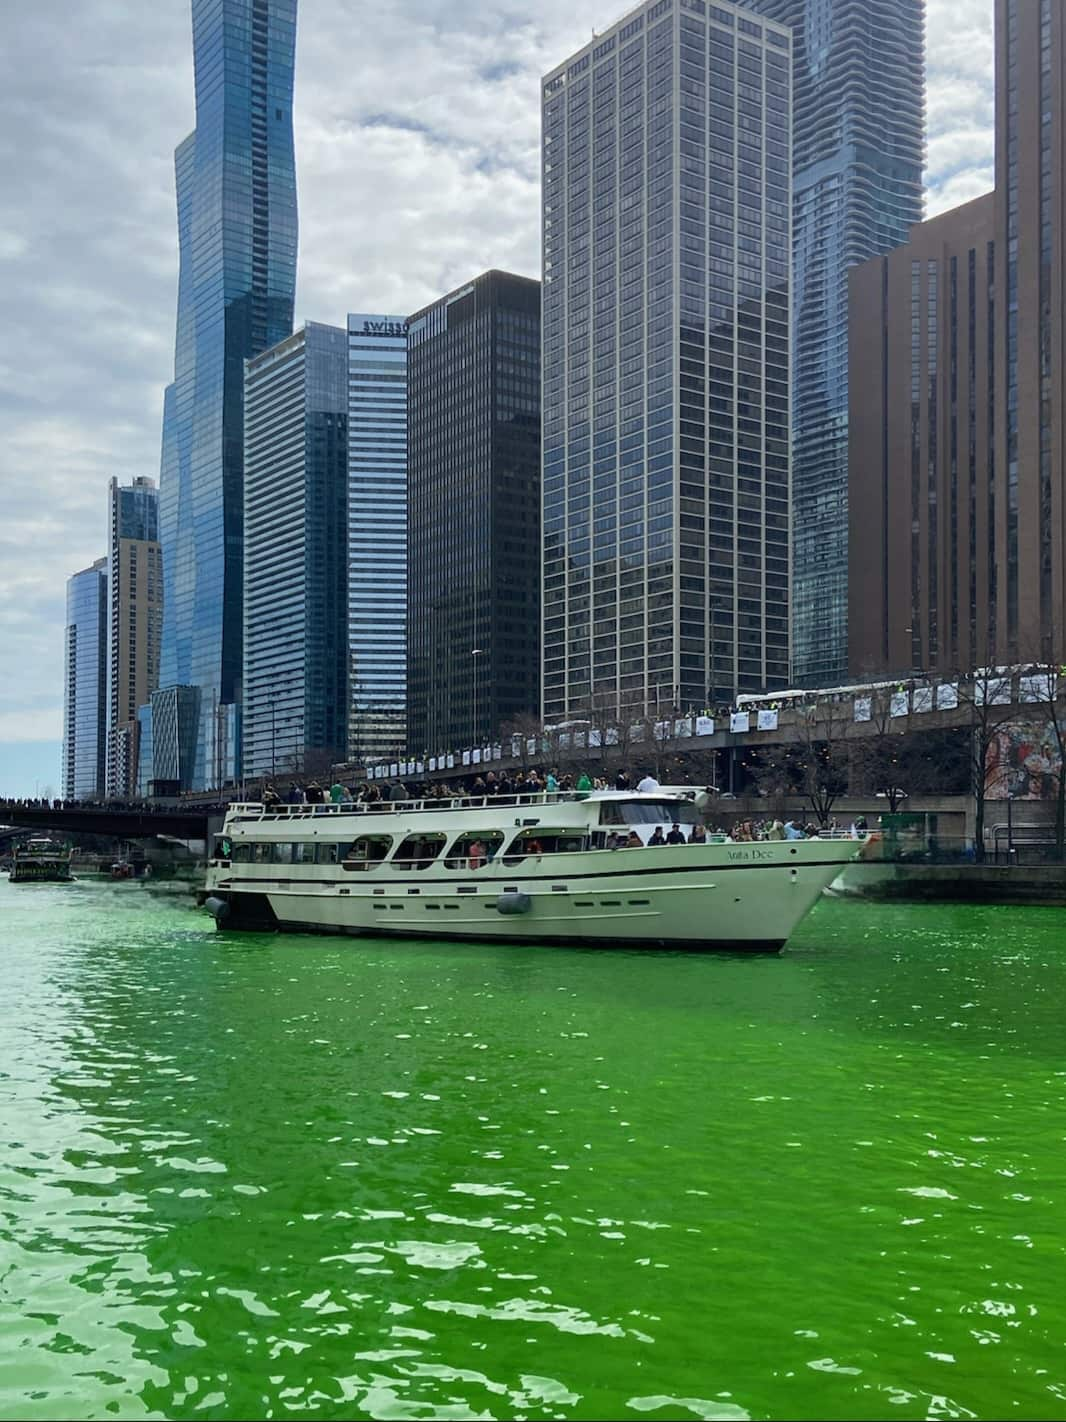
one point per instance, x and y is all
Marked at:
(252, 1176)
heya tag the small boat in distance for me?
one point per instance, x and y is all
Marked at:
(41, 861)
(540, 868)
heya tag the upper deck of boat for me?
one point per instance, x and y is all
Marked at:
(567, 806)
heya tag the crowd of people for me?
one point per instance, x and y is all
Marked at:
(747, 831)
(491, 785)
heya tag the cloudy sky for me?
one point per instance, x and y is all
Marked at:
(417, 138)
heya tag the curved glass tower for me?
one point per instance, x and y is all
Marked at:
(237, 232)
(858, 147)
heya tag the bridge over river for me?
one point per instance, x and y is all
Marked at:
(113, 822)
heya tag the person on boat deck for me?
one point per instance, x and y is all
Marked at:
(776, 830)
(337, 793)
(698, 835)
(621, 781)
(675, 836)
(551, 784)
(615, 841)
(584, 785)
(657, 837)
(648, 785)
(294, 795)
(534, 846)
(270, 797)
(476, 854)
(792, 831)
(633, 841)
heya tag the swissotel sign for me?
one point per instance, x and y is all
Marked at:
(384, 328)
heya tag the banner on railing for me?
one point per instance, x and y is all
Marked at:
(947, 696)
(466, 758)
(739, 722)
(683, 728)
(900, 703)
(1038, 688)
(704, 726)
(862, 708)
(923, 699)
(767, 721)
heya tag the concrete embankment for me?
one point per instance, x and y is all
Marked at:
(957, 883)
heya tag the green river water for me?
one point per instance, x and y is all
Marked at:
(250, 1176)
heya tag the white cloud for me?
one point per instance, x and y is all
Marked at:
(417, 146)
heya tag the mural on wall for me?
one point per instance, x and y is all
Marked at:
(1023, 763)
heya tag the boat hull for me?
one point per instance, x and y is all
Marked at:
(737, 898)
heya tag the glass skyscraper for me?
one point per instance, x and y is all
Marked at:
(295, 711)
(858, 150)
(85, 684)
(377, 533)
(237, 230)
(667, 237)
(473, 512)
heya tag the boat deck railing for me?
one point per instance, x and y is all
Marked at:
(257, 811)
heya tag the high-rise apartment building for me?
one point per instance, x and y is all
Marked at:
(667, 241)
(473, 527)
(85, 684)
(237, 230)
(958, 385)
(135, 622)
(858, 147)
(295, 715)
(377, 534)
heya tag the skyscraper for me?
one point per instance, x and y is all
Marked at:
(236, 185)
(958, 386)
(377, 533)
(473, 526)
(295, 554)
(667, 225)
(135, 622)
(857, 153)
(85, 684)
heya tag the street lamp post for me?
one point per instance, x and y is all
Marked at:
(475, 652)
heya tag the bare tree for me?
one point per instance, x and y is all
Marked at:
(882, 761)
(823, 730)
(523, 728)
(814, 765)
(989, 702)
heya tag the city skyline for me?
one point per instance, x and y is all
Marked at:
(471, 163)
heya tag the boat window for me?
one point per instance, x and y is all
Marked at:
(303, 852)
(328, 853)
(262, 853)
(283, 853)
(535, 842)
(368, 852)
(473, 850)
(648, 812)
(223, 846)
(242, 854)
(418, 851)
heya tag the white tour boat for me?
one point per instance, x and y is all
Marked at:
(537, 868)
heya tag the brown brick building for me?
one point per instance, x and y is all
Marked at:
(957, 537)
